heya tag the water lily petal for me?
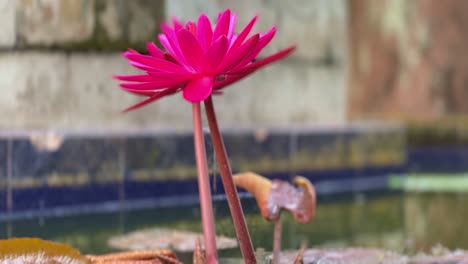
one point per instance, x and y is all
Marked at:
(191, 27)
(169, 58)
(215, 54)
(135, 78)
(204, 32)
(143, 66)
(198, 89)
(243, 35)
(165, 43)
(262, 42)
(142, 92)
(262, 62)
(154, 50)
(267, 60)
(155, 63)
(170, 76)
(153, 85)
(170, 34)
(132, 51)
(234, 57)
(177, 24)
(232, 26)
(222, 25)
(172, 40)
(251, 68)
(154, 97)
(190, 48)
(139, 92)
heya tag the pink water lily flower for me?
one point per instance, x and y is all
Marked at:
(199, 59)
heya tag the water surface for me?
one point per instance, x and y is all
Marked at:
(403, 222)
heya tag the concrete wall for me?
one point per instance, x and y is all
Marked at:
(57, 58)
(408, 59)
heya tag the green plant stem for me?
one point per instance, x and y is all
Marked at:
(235, 207)
(206, 206)
(277, 241)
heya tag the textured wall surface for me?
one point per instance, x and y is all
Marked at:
(57, 58)
(408, 58)
(83, 24)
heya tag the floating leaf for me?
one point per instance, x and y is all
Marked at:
(38, 251)
(181, 241)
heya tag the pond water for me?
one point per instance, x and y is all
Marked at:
(405, 222)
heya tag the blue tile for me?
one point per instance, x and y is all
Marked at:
(445, 159)
(159, 152)
(264, 153)
(42, 178)
(92, 169)
(3, 173)
(161, 165)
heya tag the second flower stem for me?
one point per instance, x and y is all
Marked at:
(206, 206)
(229, 187)
(277, 241)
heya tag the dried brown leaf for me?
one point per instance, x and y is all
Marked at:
(38, 251)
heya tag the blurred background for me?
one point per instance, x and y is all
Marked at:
(370, 108)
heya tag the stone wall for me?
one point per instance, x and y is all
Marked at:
(57, 58)
(408, 59)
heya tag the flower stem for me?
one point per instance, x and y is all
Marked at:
(231, 192)
(277, 241)
(204, 188)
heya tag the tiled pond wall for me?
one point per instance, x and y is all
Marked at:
(58, 173)
(438, 159)
(57, 58)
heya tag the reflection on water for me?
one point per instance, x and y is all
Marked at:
(437, 218)
(402, 222)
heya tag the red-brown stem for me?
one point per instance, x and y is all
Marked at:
(206, 206)
(277, 241)
(229, 187)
